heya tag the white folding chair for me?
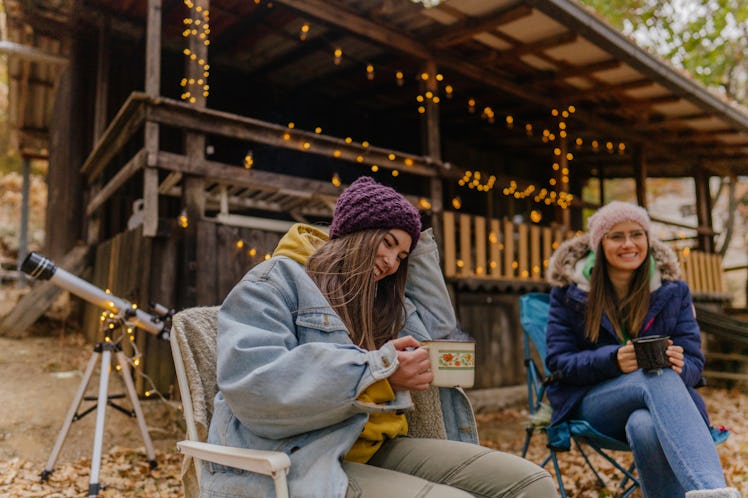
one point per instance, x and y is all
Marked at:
(193, 346)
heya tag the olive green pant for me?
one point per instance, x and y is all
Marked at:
(433, 468)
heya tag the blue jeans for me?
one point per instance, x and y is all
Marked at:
(672, 446)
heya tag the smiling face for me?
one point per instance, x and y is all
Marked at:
(625, 246)
(393, 249)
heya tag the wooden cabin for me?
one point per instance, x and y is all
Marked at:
(184, 138)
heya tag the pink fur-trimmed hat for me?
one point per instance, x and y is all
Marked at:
(611, 214)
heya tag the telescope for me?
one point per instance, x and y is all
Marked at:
(42, 268)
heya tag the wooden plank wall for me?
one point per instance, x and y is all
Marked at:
(142, 270)
(493, 321)
(225, 254)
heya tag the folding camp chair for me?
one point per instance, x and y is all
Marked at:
(534, 317)
(193, 346)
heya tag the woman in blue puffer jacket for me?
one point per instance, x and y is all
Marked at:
(612, 285)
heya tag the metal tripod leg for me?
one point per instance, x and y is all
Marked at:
(71, 415)
(122, 359)
(106, 360)
(103, 351)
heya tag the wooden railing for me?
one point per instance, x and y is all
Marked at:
(703, 272)
(480, 247)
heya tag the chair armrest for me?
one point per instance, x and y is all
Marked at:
(263, 462)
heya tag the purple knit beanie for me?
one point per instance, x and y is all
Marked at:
(611, 214)
(366, 204)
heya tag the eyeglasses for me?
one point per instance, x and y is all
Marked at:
(619, 238)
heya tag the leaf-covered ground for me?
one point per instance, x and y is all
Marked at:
(125, 471)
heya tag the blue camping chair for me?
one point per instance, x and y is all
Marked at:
(534, 319)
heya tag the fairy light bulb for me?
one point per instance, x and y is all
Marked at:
(399, 78)
(369, 72)
(304, 31)
(183, 221)
(336, 180)
(338, 56)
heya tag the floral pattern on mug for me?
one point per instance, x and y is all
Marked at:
(456, 360)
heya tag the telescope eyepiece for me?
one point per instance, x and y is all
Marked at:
(38, 266)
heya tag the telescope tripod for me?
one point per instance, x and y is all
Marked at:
(102, 351)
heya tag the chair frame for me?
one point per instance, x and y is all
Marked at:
(537, 382)
(271, 463)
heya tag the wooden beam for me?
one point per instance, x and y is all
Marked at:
(604, 89)
(570, 71)
(703, 209)
(538, 46)
(132, 166)
(172, 113)
(128, 120)
(464, 30)
(234, 175)
(640, 175)
(151, 131)
(338, 14)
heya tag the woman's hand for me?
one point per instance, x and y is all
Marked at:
(414, 370)
(675, 355)
(627, 358)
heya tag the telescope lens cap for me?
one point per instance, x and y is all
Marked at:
(38, 266)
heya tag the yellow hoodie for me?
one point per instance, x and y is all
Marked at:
(298, 244)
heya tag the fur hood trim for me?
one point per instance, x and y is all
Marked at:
(563, 265)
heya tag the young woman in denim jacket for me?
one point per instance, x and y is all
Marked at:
(317, 355)
(614, 284)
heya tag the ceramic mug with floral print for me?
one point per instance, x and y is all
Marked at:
(452, 362)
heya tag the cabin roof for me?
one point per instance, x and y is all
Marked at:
(517, 60)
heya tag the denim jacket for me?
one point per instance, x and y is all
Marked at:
(289, 375)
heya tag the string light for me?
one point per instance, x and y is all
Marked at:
(183, 221)
(369, 72)
(399, 78)
(198, 27)
(249, 160)
(304, 32)
(336, 180)
(338, 56)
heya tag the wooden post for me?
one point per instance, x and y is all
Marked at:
(93, 223)
(153, 89)
(640, 175)
(432, 142)
(193, 188)
(703, 210)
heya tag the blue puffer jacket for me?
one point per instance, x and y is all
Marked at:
(580, 364)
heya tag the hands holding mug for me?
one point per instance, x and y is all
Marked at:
(627, 359)
(414, 372)
(443, 363)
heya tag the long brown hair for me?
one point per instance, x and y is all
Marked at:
(343, 270)
(627, 314)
